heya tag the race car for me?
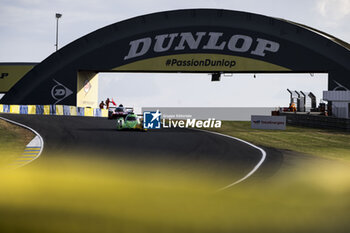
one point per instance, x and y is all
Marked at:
(120, 111)
(131, 122)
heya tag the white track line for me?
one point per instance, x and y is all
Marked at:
(263, 157)
(37, 136)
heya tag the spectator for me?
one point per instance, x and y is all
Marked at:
(107, 103)
(102, 104)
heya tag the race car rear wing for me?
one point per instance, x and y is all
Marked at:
(129, 109)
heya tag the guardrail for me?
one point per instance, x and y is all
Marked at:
(317, 121)
(59, 110)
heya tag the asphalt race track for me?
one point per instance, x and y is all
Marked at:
(184, 147)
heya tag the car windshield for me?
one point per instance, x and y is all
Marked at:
(131, 118)
(119, 110)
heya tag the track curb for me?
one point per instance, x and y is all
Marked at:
(256, 167)
(33, 149)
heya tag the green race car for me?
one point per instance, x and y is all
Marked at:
(131, 121)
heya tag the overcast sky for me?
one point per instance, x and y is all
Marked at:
(27, 34)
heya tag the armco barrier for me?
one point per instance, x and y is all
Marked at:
(89, 112)
(59, 110)
(52, 109)
(317, 121)
(73, 110)
(46, 110)
(97, 112)
(39, 109)
(104, 113)
(23, 109)
(31, 109)
(66, 110)
(80, 111)
(14, 109)
(6, 108)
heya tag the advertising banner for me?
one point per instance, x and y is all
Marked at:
(268, 122)
(11, 73)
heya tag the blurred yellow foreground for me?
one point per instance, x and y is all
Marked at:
(69, 195)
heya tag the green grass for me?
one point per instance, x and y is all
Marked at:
(317, 142)
(13, 140)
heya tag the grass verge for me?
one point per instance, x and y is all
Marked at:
(13, 140)
(317, 142)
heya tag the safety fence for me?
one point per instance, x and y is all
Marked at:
(59, 110)
(317, 121)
